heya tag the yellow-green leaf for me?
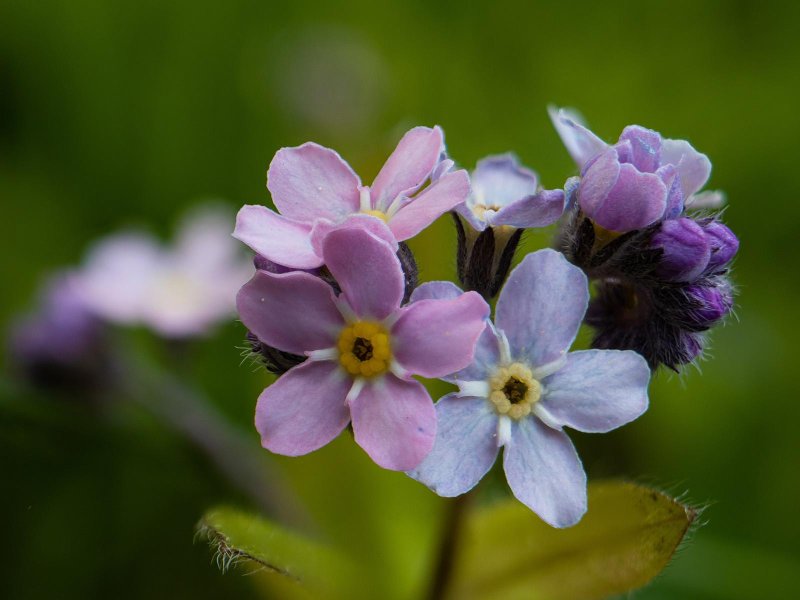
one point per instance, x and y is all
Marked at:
(304, 568)
(626, 538)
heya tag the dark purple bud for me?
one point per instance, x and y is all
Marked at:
(686, 250)
(724, 245)
(709, 303)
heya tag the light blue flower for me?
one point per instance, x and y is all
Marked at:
(523, 387)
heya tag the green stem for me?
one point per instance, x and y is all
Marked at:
(451, 534)
(236, 455)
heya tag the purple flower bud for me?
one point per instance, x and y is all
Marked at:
(686, 249)
(724, 245)
(711, 303)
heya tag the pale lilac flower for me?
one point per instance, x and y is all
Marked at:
(179, 290)
(523, 388)
(637, 181)
(315, 190)
(507, 193)
(362, 350)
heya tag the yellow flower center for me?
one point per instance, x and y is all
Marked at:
(377, 213)
(480, 210)
(514, 391)
(364, 349)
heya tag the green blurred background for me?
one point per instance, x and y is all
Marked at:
(120, 113)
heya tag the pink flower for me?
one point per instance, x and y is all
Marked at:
(363, 349)
(314, 190)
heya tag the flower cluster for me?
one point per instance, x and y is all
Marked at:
(335, 311)
(640, 227)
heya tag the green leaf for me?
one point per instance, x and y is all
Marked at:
(627, 537)
(302, 567)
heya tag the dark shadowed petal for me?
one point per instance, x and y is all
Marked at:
(275, 237)
(636, 200)
(304, 409)
(465, 447)
(310, 182)
(541, 307)
(694, 168)
(450, 191)
(434, 338)
(500, 180)
(394, 422)
(598, 390)
(409, 166)
(293, 312)
(539, 210)
(545, 473)
(367, 270)
(581, 143)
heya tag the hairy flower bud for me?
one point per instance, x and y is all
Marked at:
(723, 243)
(685, 249)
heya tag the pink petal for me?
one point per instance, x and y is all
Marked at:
(309, 182)
(367, 270)
(304, 409)
(545, 473)
(275, 237)
(394, 421)
(363, 221)
(434, 338)
(442, 196)
(294, 312)
(409, 166)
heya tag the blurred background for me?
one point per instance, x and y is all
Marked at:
(116, 114)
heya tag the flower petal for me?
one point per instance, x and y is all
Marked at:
(694, 168)
(598, 390)
(275, 237)
(545, 473)
(394, 422)
(541, 307)
(409, 166)
(367, 270)
(581, 143)
(437, 199)
(434, 338)
(500, 180)
(294, 312)
(485, 361)
(645, 147)
(539, 210)
(465, 447)
(436, 290)
(374, 225)
(309, 182)
(636, 200)
(304, 409)
(597, 181)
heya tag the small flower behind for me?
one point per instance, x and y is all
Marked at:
(523, 388)
(505, 200)
(362, 348)
(178, 291)
(315, 191)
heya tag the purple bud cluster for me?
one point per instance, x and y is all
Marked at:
(659, 264)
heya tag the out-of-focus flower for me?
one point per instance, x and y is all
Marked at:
(178, 291)
(505, 199)
(315, 190)
(62, 344)
(523, 388)
(362, 350)
(637, 181)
